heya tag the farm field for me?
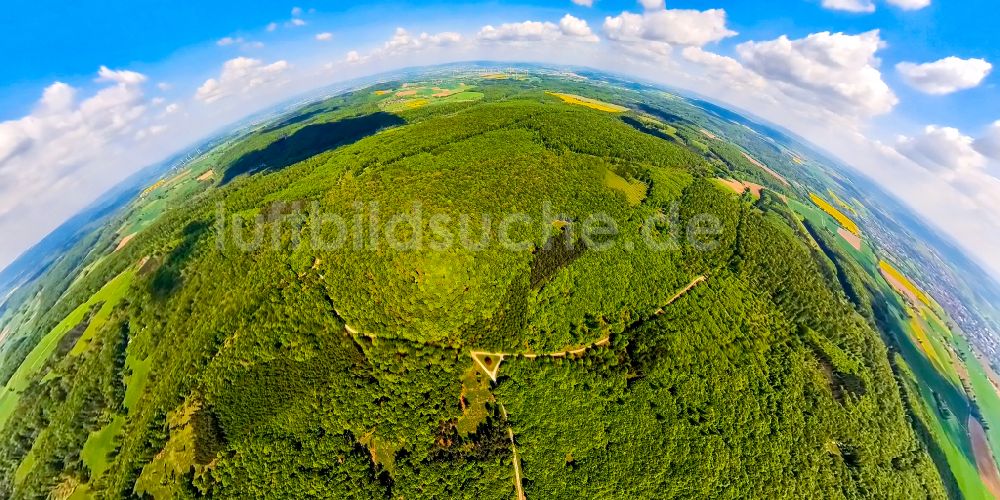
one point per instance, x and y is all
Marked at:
(590, 103)
(956, 392)
(35, 361)
(903, 284)
(820, 219)
(739, 187)
(839, 216)
(767, 169)
(950, 438)
(417, 96)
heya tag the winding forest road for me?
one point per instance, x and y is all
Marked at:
(489, 363)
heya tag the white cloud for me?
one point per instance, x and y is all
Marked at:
(529, 31)
(910, 4)
(150, 131)
(324, 37)
(242, 42)
(866, 6)
(989, 143)
(271, 26)
(354, 57)
(226, 41)
(296, 22)
(576, 28)
(569, 28)
(942, 149)
(584, 3)
(402, 42)
(652, 4)
(296, 11)
(738, 76)
(123, 77)
(14, 140)
(830, 70)
(164, 86)
(951, 157)
(945, 76)
(240, 76)
(57, 98)
(171, 108)
(50, 158)
(672, 27)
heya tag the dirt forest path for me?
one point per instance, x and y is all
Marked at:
(489, 363)
(516, 459)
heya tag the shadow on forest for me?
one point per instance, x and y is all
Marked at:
(168, 278)
(558, 252)
(662, 115)
(641, 127)
(299, 118)
(310, 141)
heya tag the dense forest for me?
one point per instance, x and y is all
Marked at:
(299, 368)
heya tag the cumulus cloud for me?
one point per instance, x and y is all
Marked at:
(673, 27)
(945, 76)
(296, 22)
(526, 31)
(14, 140)
(123, 77)
(574, 27)
(65, 137)
(402, 42)
(271, 26)
(942, 149)
(355, 57)
(240, 76)
(569, 27)
(850, 5)
(831, 70)
(324, 37)
(989, 143)
(296, 11)
(717, 65)
(584, 3)
(953, 158)
(652, 4)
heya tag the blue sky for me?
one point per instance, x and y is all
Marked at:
(56, 40)
(126, 83)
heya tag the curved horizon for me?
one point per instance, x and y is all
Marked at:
(155, 109)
